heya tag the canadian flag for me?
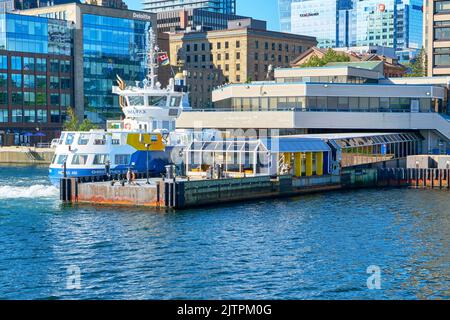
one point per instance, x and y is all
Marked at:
(163, 58)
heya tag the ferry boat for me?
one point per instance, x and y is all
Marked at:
(145, 140)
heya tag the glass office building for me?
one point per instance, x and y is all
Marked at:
(36, 76)
(356, 23)
(220, 6)
(111, 46)
(109, 42)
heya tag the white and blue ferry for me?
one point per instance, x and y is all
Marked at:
(145, 141)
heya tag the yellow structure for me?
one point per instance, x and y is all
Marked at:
(295, 163)
(139, 140)
(233, 55)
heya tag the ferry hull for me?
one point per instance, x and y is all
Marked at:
(157, 160)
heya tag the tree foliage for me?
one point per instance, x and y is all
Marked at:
(418, 67)
(330, 56)
(73, 124)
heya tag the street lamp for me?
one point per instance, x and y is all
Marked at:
(147, 146)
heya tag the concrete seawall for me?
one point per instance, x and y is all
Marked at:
(182, 193)
(25, 155)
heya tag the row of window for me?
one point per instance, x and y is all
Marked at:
(32, 64)
(362, 104)
(327, 79)
(442, 57)
(226, 45)
(30, 81)
(31, 116)
(95, 159)
(35, 99)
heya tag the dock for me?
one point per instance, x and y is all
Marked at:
(180, 193)
(26, 155)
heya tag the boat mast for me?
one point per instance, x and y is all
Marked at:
(152, 59)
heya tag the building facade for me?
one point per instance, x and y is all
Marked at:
(437, 37)
(107, 42)
(220, 6)
(349, 23)
(36, 76)
(238, 54)
(176, 20)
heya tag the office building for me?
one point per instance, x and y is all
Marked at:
(338, 99)
(349, 23)
(437, 37)
(243, 52)
(13, 5)
(195, 19)
(107, 42)
(220, 6)
(36, 72)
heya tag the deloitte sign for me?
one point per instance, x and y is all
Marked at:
(142, 16)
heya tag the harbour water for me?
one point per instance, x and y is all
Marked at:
(311, 247)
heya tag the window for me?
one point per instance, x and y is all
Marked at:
(28, 81)
(136, 100)
(3, 115)
(69, 139)
(238, 44)
(101, 159)
(28, 64)
(79, 159)
(55, 116)
(442, 7)
(41, 99)
(238, 67)
(60, 159)
(41, 65)
(3, 79)
(17, 98)
(238, 55)
(65, 100)
(17, 115)
(3, 62)
(41, 82)
(29, 99)
(16, 81)
(54, 66)
(41, 116)
(83, 140)
(219, 45)
(122, 159)
(227, 44)
(16, 63)
(29, 116)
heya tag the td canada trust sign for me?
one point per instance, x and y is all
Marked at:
(142, 16)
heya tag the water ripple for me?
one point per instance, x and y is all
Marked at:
(311, 247)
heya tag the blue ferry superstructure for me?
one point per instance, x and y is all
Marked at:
(146, 134)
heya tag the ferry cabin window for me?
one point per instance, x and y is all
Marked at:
(101, 159)
(175, 101)
(122, 159)
(84, 139)
(157, 101)
(136, 100)
(80, 159)
(69, 139)
(61, 159)
(100, 140)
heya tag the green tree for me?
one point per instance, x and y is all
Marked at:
(330, 56)
(73, 124)
(87, 125)
(419, 66)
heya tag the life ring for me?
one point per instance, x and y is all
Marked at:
(128, 126)
(131, 176)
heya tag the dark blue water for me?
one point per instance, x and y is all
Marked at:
(310, 247)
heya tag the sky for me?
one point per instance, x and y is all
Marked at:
(258, 9)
